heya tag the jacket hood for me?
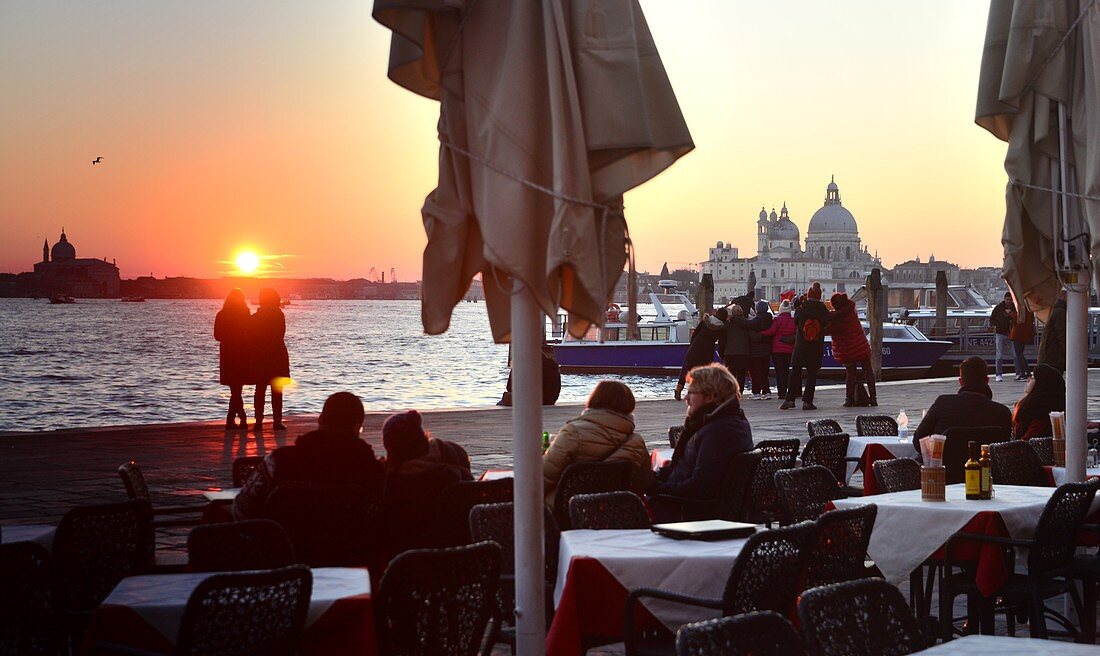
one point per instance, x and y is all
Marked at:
(608, 419)
(840, 301)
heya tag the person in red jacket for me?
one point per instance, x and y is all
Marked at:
(781, 333)
(850, 348)
(1021, 333)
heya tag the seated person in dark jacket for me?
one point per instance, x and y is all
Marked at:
(331, 455)
(973, 406)
(418, 467)
(715, 430)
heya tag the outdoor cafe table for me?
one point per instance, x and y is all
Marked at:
(597, 569)
(908, 531)
(1059, 474)
(862, 451)
(39, 533)
(987, 645)
(144, 612)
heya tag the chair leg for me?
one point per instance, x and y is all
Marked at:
(1088, 619)
(1038, 618)
(1079, 608)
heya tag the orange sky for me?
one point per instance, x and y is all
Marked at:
(271, 125)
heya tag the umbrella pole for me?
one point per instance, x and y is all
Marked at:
(527, 333)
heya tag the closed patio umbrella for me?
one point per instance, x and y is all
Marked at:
(549, 112)
(1039, 90)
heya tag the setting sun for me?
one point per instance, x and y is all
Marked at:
(248, 262)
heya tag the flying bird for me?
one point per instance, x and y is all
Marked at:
(97, 160)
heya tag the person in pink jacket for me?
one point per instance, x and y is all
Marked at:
(782, 333)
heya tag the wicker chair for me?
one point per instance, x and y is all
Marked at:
(823, 427)
(438, 601)
(608, 510)
(831, 452)
(777, 454)
(247, 613)
(452, 519)
(766, 575)
(589, 478)
(1044, 446)
(841, 551)
(236, 546)
(732, 502)
(329, 525)
(136, 488)
(858, 618)
(674, 433)
(955, 452)
(1050, 558)
(243, 468)
(1017, 463)
(876, 425)
(803, 492)
(28, 622)
(762, 633)
(897, 475)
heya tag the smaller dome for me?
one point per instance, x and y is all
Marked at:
(63, 250)
(773, 216)
(763, 214)
(720, 245)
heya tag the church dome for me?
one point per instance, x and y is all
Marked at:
(62, 250)
(784, 228)
(832, 217)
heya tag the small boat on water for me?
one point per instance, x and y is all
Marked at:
(61, 299)
(133, 299)
(664, 337)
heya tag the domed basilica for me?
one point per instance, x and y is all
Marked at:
(833, 254)
(62, 272)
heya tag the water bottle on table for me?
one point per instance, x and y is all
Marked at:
(903, 427)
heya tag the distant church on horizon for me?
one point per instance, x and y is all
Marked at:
(62, 272)
(834, 255)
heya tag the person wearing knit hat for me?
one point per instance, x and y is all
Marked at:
(781, 332)
(810, 319)
(404, 438)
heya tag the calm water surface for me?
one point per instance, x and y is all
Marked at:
(102, 363)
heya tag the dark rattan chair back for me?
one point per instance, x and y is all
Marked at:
(868, 617)
(329, 525)
(247, 613)
(243, 468)
(804, 491)
(1016, 463)
(1044, 447)
(454, 503)
(763, 633)
(236, 546)
(767, 574)
(841, 551)
(955, 447)
(734, 500)
(134, 481)
(438, 601)
(876, 425)
(608, 510)
(829, 451)
(897, 474)
(28, 623)
(589, 478)
(95, 547)
(777, 454)
(823, 427)
(1056, 534)
(674, 435)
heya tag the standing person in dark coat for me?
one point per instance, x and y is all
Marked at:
(270, 360)
(973, 406)
(715, 430)
(710, 332)
(850, 348)
(1052, 345)
(231, 331)
(781, 333)
(736, 355)
(760, 348)
(1021, 334)
(1000, 318)
(811, 318)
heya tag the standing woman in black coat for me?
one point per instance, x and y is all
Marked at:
(231, 331)
(810, 319)
(270, 360)
(710, 332)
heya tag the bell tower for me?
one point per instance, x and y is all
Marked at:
(45, 250)
(762, 232)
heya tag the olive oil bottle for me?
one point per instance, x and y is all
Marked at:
(987, 473)
(973, 473)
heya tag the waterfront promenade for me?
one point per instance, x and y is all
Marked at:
(44, 474)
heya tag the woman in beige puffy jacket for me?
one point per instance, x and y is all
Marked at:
(604, 431)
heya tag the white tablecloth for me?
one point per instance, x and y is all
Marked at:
(1060, 474)
(160, 598)
(658, 457)
(40, 533)
(908, 530)
(856, 446)
(987, 645)
(640, 558)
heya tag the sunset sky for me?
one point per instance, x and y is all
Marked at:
(272, 126)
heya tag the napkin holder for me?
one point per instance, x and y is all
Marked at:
(932, 483)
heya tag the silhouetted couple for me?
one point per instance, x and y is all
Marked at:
(252, 352)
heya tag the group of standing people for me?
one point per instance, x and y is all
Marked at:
(748, 336)
(252, 352)
(1014, 327)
